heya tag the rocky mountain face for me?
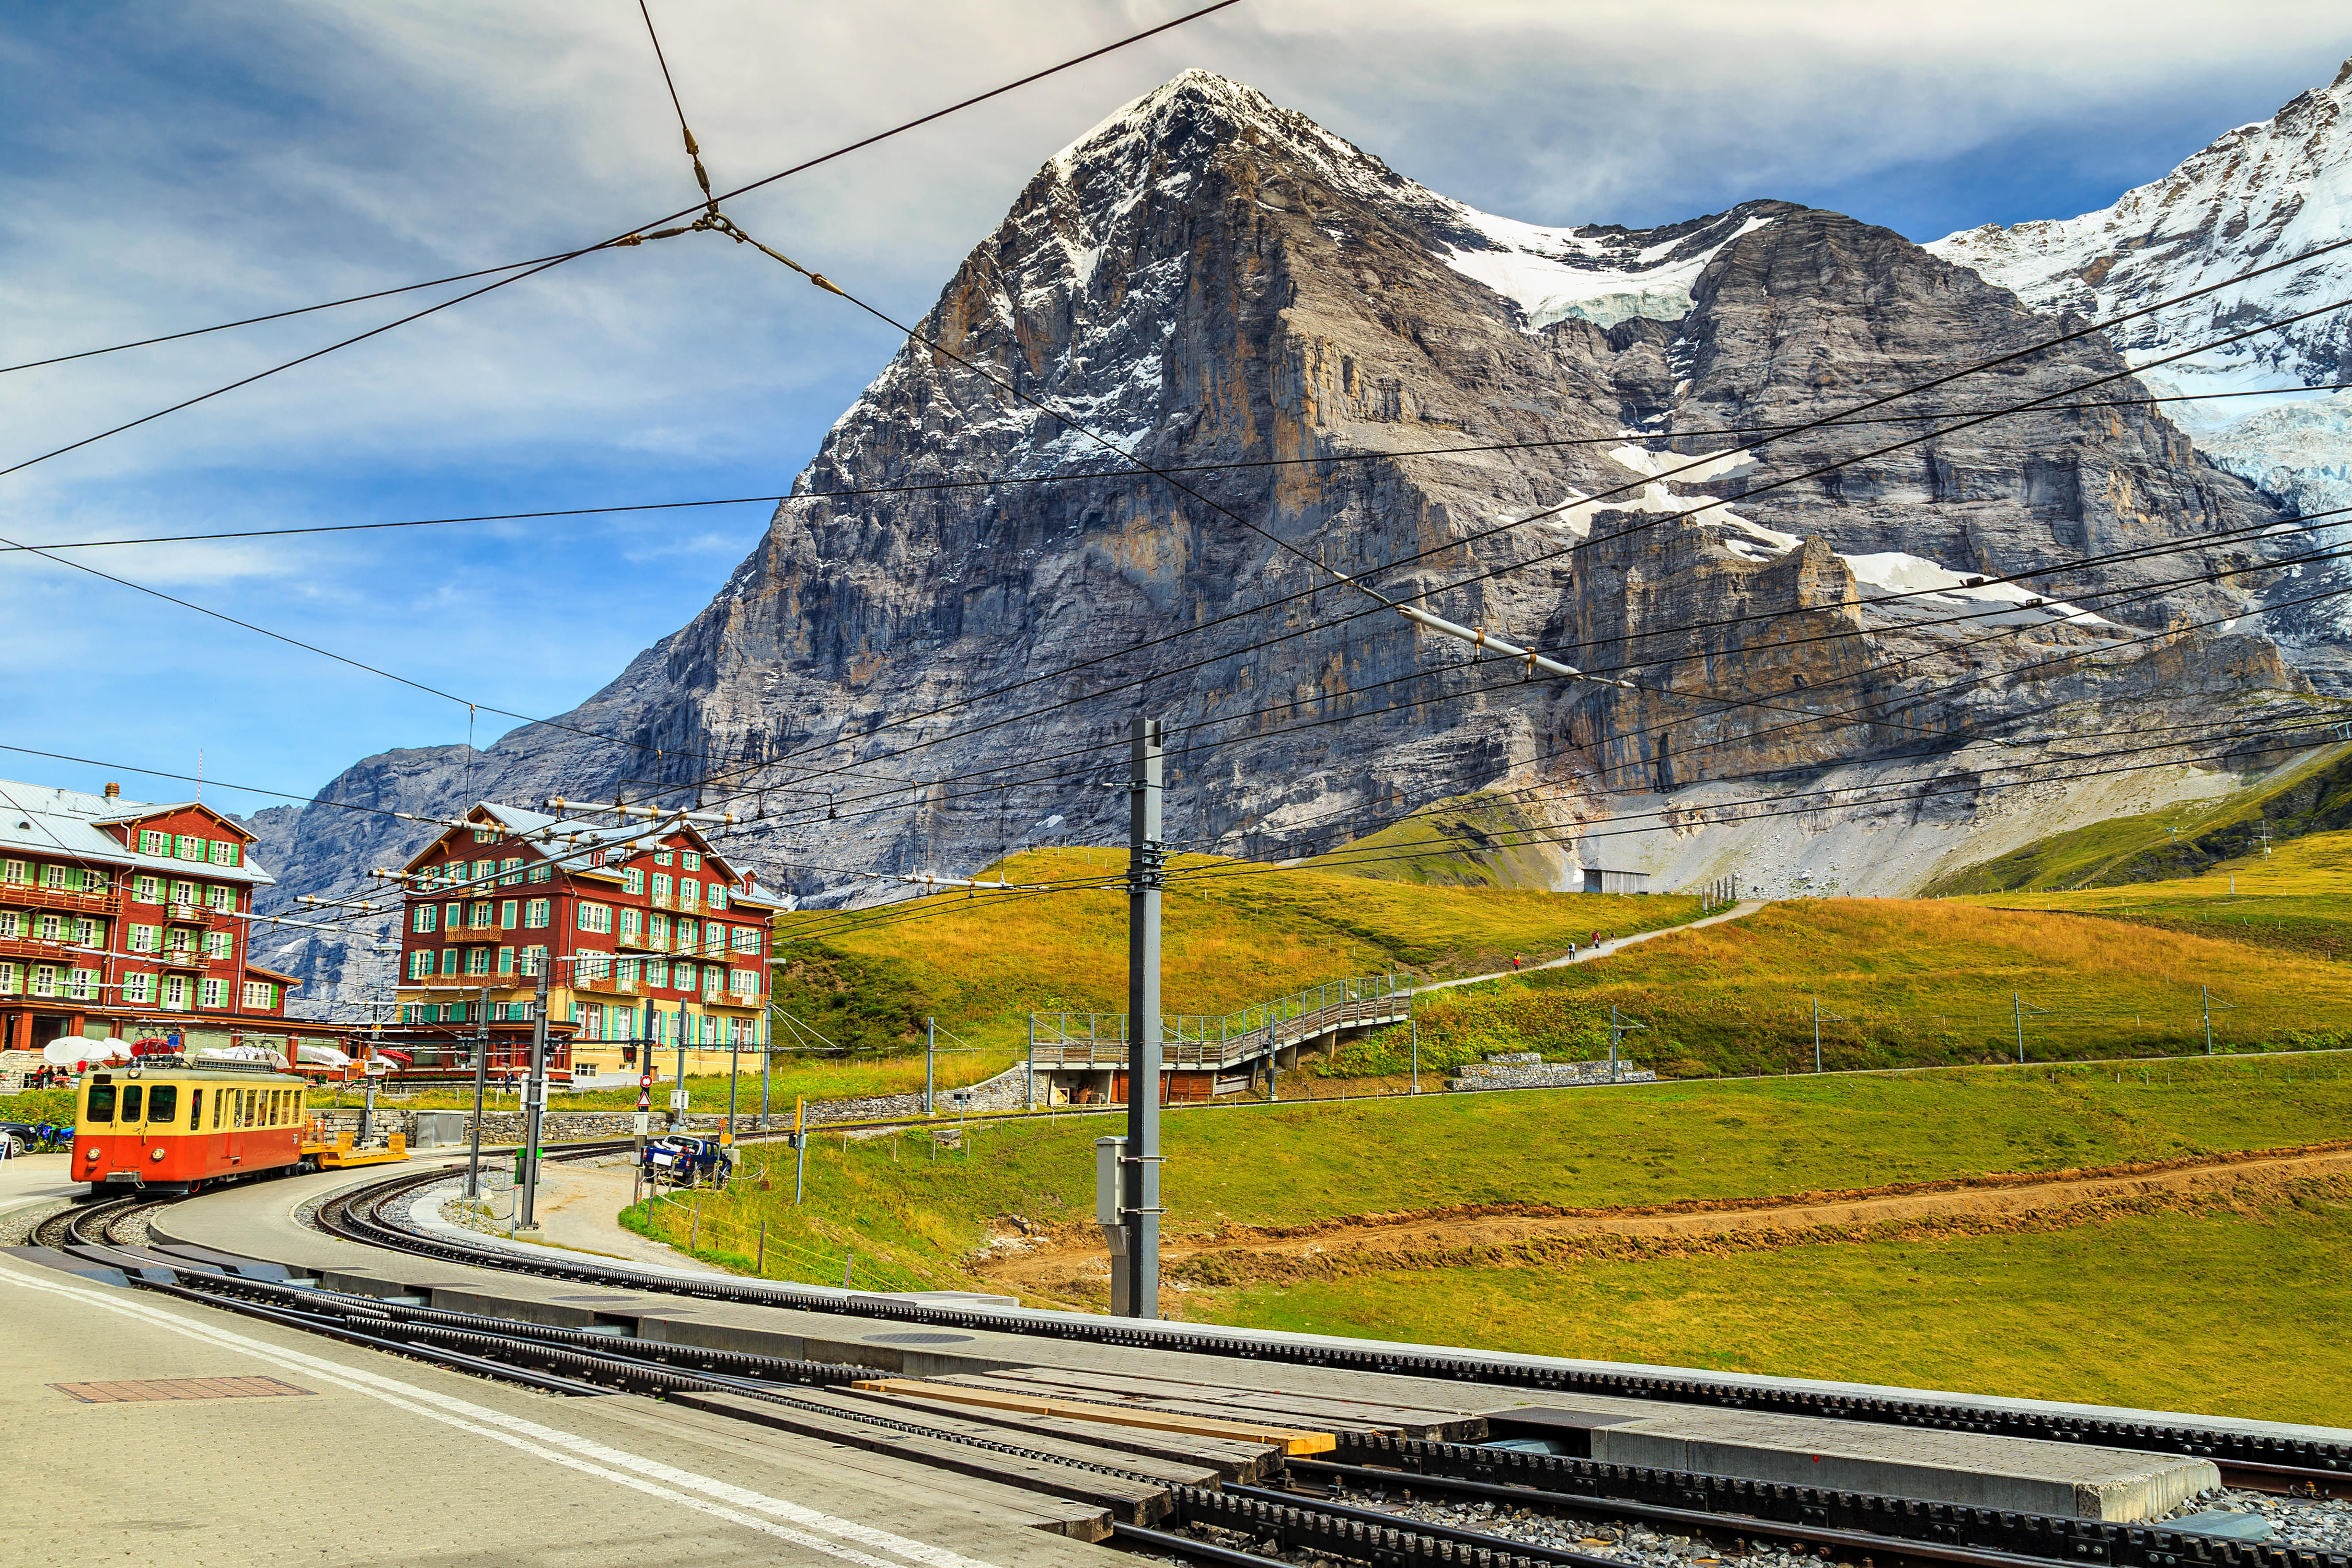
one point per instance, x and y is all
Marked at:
(934, 653)
(2259, 196)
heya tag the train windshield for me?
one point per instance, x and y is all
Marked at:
(164, 1102)
(101, 1103)
(130, 1102)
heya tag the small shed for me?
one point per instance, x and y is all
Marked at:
(1599, 881)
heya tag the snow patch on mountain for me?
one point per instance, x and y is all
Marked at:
(1892, 578)
(1553, 274)
(2258, 196)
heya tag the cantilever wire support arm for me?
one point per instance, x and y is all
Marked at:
(1481, 639)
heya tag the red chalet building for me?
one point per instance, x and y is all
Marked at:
(123, 919)
(654, 939)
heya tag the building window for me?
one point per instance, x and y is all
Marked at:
(420, 963)
(629, 971)
(225, 854)
(743, 982)
(711, 977)
(689, 893)
(534, 958)
(689, 861)
(260, 994)
(147, 889)
(183, 893)
(485, 836)
(717, 895)
(594, 966)
(155, 843)
(145, 938)
(187, 847)
(215, 993)
(176, 993)
(594, 917)
(633, 925)
(657, 973)
(453, 916)
(427, 917)
(53, 877)
(94, 881)
(485, 871)
(539, 873)
(509, 911)
(10, 923)
(217, 944)
(534, 914)
(9, 984)
(138, 988)
(16, 873)
(45, 980)
(747, 939)
(481, 918)
(633, 879)
(661, 858)
(477, 961)
(661, 890)
(448, 960)
(506, 960)
(510, 872)
(220, 897)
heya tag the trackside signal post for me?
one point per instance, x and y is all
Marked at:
(1139, 1161)
(534, 1107)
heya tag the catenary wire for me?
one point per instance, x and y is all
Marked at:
(1012, 479)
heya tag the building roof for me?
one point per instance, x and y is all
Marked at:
(288, 981)
(576, 837)
(64, 825)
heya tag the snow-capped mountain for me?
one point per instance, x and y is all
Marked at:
(1511, 423)
(2259, 196)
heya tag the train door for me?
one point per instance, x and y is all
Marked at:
(162, 1120)
(233, 1147)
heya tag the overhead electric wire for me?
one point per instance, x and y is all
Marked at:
(1966, 422)
(628, 235)
(1010, 479)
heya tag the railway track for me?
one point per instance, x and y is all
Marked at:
(1337, 1507)
(2247, 1460)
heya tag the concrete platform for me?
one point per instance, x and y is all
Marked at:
(2067, 1480)
(374, 1458)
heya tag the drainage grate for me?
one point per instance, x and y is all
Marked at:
(145, 1390)
(919, 1338)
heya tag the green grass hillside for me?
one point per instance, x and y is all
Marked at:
(1234, 935)
(1471, 841)
(2296, 898)
(2311, 797)
(1900, 983)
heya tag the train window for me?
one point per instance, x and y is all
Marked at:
(130, 1092)
(236, 1108)
(101, 1103)
(253, 1107)
(277, 1101)
(220, 1104)
(163, 1104)
(196, 1109)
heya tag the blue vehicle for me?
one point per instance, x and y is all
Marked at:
(682, 1162)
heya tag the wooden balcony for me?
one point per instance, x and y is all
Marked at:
(22, 896)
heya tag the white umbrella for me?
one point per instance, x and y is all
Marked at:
(322, 1056)
(241, 1054)
(67, 1050)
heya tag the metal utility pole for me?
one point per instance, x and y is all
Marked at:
(481, 1081)
(930, 1054)
(2207, 998)
(767, 1060)
(1818, 1016)
(535, 1105)
(1032, 1061)
(1140, 1161)
(734, 1071)
(1618, 1029)
(800, 1149)
(678, 1100)
(1417, 1056)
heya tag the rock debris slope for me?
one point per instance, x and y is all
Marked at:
(1351, 370)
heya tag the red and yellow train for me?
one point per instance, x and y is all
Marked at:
(176, 1129)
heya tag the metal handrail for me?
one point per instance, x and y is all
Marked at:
(1221, 1039)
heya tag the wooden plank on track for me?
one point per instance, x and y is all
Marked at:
(1279, 1415)
(1231, 1460)
(1294, 1441)
(1133, 1502)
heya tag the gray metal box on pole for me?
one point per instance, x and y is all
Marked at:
(1110, 1173)
(1146, 871)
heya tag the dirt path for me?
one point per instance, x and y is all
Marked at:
(1739, 911)
(1533, 1233)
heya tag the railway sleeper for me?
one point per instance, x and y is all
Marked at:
(1591, 1485)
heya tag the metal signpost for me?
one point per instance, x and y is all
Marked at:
(534, 1107)
(481, 1081)
(1138, 1208)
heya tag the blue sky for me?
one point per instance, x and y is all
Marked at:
(167, 165)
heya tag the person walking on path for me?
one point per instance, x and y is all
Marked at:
(1596, 941)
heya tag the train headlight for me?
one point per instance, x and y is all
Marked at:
(90, 1153)
(156, 1156)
